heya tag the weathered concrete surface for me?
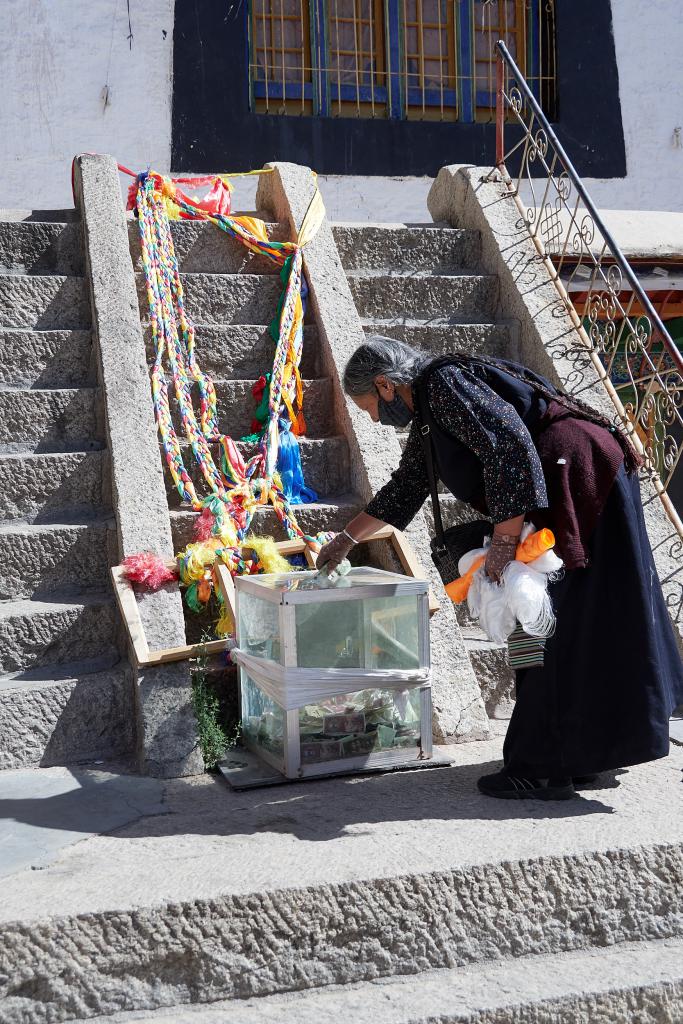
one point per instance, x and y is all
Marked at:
(36, 560)
(313, 518)
(236, 407)
(224, 298)
(548, 341)
(438, 337)
(29, 247)
(44, 303)
(635, 981)
(47, 359)
(44, 486)
(201, 248)
(44, 416)
(242, 351)
(376, 246)
(325, 464)
(458, 709)
(491, 666)
(378, 293)
(36, 634)
(166, 726)
(78, 717)
(30, 838)
(337, 881)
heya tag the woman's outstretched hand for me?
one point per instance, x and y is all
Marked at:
(335, 551)
(499, 555)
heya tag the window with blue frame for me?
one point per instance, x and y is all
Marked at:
(415, 59)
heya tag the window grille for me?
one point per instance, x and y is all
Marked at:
(415, 59)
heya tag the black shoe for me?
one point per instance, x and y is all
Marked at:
(507, 786)
(583, 780)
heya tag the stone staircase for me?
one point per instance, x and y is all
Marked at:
(399, 275)
(64, 692)
(421, 284)
(405, 897)
(231, 296)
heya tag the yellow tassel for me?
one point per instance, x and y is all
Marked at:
(225, 625)
(268, 555)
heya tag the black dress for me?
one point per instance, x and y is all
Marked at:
(612, 673)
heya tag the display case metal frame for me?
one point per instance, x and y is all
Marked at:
(290, 763)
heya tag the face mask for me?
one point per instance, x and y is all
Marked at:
(394, 413)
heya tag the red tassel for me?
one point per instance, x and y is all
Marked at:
(204, 524)
(149, 570)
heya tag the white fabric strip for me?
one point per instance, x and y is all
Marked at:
(291, 688)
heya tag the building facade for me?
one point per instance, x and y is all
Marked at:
(381, 88)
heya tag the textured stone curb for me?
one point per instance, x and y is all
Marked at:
(630, 982)
(262, 943)
(167, 744)
(459, 712)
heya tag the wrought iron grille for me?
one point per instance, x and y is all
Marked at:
(621, 333)
(415, 59)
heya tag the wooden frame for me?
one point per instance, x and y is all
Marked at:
(128, 606)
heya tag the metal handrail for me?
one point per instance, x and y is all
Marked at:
(616, 252)
(623, 336)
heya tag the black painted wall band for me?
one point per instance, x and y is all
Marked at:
(213, 128)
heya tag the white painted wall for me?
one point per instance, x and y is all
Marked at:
(648, 36)
(56, 56)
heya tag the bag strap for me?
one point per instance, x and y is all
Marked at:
(428, 449)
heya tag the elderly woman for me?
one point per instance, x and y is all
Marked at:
(506, 441)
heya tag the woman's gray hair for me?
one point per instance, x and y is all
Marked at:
(399, 363)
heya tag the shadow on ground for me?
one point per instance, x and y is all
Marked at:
(310, 811)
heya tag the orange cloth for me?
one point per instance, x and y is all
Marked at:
(529, 550)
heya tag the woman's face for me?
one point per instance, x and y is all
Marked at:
(368, 403)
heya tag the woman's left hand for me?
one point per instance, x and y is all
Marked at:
(501, 552)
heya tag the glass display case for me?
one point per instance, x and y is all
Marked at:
(334, 679)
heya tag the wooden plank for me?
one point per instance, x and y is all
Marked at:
(411, 565)
(168, 654)
(128, 606)
(226, 586)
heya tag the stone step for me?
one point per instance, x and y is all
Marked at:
(243, 351)
(405, 246)
(38, 560)
(46, 359)
(236, 407)
(419, 294)
(30, 247)
(325, 464)
(45, 416)
(203, 248)
(43, 486)
(438, 339)
(495, 677)
(340, 881)
(37, 634)
(632, 981)
(44, 302)
(224, 298)
(72, 715)
(68, 215)
(314, 518)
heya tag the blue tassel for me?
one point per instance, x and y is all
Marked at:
(289, 468)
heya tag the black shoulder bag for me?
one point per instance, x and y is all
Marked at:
(448, 546)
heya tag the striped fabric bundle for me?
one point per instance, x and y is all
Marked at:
(525, 651)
